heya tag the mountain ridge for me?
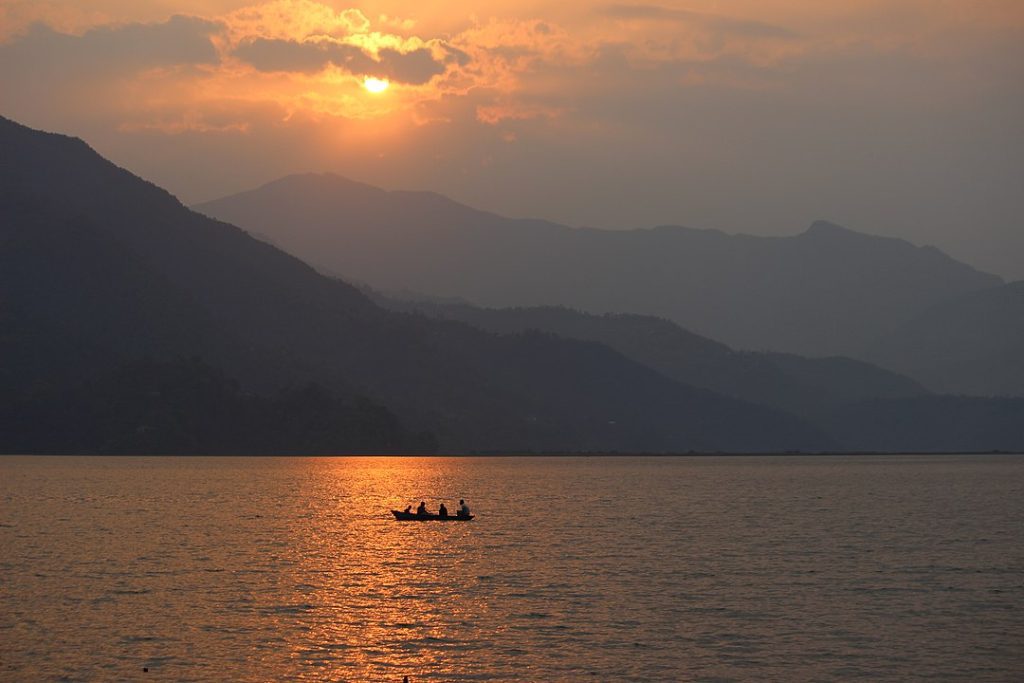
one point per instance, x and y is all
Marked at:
(792, 383)
(825, 291)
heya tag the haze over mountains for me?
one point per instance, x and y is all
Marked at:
(971, 344)
(826, 291)
(129, 323)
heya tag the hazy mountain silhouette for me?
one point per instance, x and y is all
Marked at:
(973, 344)
(792, 383)
(826, 291)
(863, 407)
(106, 268)
(930, 424)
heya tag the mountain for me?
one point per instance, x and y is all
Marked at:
(827, 291)
(972, 344)
(109, 282)
(861, 406)
(187, 406)
(796, 384)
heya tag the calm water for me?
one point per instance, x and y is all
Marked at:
(673, 569)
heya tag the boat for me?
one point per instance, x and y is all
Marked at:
(429, 517)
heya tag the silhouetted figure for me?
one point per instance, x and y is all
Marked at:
(407, 509)
(463, 509)
(442, 511)
(422, 509)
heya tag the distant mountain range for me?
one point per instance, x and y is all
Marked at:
(859, 405)
(971, 344)
(130, 324)
(804, 386)
(827, 291)
(102, 267)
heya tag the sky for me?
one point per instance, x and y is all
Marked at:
(894, 117)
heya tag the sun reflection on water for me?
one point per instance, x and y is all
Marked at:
(384, 599)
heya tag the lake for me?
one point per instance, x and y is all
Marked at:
(575, 569)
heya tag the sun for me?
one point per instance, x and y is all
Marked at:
(375, 85)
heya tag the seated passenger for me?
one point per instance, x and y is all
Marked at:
(422, 509)
(463, 509)
(442, 511)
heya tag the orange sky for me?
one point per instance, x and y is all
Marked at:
(896, 116)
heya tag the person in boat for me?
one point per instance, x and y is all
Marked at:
(422, 509)
(463, 509)
(407, 509)
(442, 511)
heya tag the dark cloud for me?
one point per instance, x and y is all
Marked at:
(737, 27)
(308, 57)
(101, 51)
(415, 67)
(179, 40)
(454, 55)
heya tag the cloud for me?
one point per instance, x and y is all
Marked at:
(454, 55)
(294, 19)
(180, 40)
(414, 67)
(266, 54)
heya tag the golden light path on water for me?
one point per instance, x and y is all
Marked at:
(607, 569)
(394, 603)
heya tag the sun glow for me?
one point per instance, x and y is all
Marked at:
(375, 85)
